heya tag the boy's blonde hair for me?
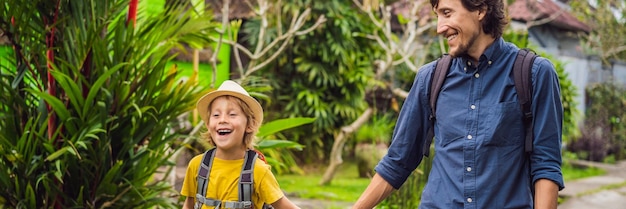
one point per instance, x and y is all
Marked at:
(249, 138)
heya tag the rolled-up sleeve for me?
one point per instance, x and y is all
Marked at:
(547, 126)
(406, 150)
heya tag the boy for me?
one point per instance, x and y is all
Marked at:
(232, 118)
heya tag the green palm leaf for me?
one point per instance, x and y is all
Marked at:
(108, 128)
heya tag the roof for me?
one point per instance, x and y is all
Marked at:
(537, 10)
(520, 10)
(403, 7)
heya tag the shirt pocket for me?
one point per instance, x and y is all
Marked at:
(449, 137)
(503, 125)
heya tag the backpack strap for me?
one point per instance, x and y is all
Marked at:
(522, 69)
(522, 74)
(203, 181)
(437, 79)
(260, 155)
(246, 180)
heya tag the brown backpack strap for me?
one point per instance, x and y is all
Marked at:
(522, 69)
(522, 75)
(438, 77)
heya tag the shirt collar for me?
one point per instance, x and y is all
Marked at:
(491, 53)
(494, 51)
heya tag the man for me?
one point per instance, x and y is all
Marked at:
(480, 160)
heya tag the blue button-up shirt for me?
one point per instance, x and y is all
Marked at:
(480, 160)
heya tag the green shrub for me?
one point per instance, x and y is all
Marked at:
(604, 131)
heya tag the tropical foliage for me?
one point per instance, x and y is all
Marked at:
(607, 19)
(87, 102)
(321, 74)
(275, 148)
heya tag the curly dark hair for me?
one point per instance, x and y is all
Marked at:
(495, 19)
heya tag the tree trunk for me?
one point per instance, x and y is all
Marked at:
(340, 141)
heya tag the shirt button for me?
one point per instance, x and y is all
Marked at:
(469, 63)
(473, 107)
(489, 62)
(469, 169)
(469, 199)
(476, 75)
(469, 137)
(465, 69)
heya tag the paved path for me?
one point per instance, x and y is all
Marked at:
(319, 204)
(599, 192)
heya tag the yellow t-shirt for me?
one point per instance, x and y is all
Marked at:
(224, 181)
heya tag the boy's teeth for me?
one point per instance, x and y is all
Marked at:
(223, 131)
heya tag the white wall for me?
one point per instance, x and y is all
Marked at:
(578, 72)
(619, 73)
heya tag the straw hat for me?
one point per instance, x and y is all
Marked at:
(230, 88)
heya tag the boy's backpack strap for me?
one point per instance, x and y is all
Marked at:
(246, 181)
(438, 77)
(522, 69)
(203, 180)
(260, 155)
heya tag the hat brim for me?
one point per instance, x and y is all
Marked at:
(204, 102)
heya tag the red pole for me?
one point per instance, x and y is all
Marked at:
(52, 121)
(51, 81)
(132, 12)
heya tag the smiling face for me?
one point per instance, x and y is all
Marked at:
(461, 27)
(228, 124)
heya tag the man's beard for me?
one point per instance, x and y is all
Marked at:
(463, 48)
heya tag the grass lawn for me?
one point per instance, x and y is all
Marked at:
(346, 185)
(571, 172)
